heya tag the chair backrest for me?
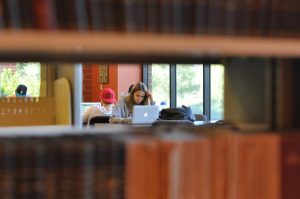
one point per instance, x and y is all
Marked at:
(62, 96)
(200, 117)
(99, 119)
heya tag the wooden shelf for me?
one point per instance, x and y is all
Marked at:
(77, 46)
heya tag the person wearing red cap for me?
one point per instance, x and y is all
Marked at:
(107, 100)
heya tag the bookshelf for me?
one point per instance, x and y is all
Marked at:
(74, 46)
(64, 38)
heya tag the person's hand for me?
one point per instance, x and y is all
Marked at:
(149, 95)
(126, 120)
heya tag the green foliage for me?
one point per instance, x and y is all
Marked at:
(190, 86)
(9, 81)
(160, 82)
(187, 84)
(31, 77)
(26, 73)
(21, 67)
(189, 81)
(217, 92)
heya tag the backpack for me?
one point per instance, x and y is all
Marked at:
(180, 113)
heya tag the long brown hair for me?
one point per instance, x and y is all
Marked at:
(138, 87)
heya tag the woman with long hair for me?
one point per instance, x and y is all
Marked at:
(139, 95)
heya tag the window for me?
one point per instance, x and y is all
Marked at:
(217, 92)
(159, 83)
(196, 85)
(13, 74)
(189, 86)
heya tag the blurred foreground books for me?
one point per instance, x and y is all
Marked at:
(212, 162)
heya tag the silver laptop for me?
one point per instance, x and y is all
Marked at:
(145, 114)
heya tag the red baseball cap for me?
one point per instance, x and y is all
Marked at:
(108, 96)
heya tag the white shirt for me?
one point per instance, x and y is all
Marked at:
(96, 110)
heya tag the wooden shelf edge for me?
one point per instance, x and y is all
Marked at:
(100, 46)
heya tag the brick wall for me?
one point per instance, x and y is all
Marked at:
(87, 82)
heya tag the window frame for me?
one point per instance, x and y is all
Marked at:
(206, 86)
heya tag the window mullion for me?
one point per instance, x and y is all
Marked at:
(173, 102)
(206, 91)
(145, 74)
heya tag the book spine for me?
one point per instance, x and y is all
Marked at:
(95, 14)
(221, 179)
(66, 168)
(255, 172)
(142, 162)
(40, 168)
(81, 15)
(290, 166)
(66, 15)
(140, 15)
(129, 16)
(203, 161)
(267, 180)
(188, 16)
(177, 8)
(8, 167)
(118, 159)
(264, 17)
(27, 14)
(102, 167)
(2, 15)
(214, 13)
(238, 19)
(53, 167)
(289, 23)
(152, 7)
(108, 15)
(118, 15)
(135, 12)
(25, 156)
(13, 14)
(166, 149)
(255, 12)
(276, 16)
(201, 16)
(88, 162)
(45, 14)
(82, 167)
(230, 17)
(246, 17)
(150, 152)
(166, 16)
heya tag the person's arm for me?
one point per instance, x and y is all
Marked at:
(86, 114)
(150, 98)
(116, 114)
(119, 112)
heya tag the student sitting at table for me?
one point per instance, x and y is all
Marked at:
(139, 95)
(107, 100)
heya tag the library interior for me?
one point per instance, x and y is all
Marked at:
(224, 75)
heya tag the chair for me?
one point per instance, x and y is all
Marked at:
(99, 119)
(200, 117)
